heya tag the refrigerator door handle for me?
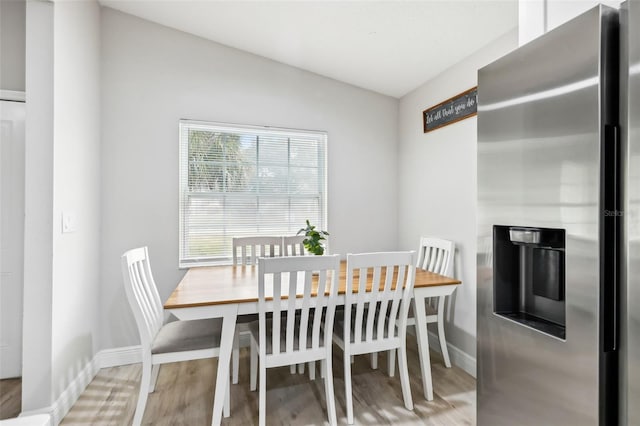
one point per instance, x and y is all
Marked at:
(612, 214)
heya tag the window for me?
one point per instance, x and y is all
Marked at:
(245, 180)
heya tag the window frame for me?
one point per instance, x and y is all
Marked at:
(183, 169)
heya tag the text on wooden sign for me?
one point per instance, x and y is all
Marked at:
(450, 111)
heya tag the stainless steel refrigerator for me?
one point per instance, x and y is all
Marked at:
(630, 294)
(558, 202)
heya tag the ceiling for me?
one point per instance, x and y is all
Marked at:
(390, 47)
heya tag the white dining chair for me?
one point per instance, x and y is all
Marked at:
(301, 293)
(246, 251)
(375, 319)
(434, 255)
(252, 247)
(172, 342)
(293, 245)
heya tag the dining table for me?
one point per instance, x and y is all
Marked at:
(226, 291)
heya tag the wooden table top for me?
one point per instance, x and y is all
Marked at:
(214, 285)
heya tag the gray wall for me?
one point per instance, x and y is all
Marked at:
(38, 224)
(437, 183)
(152, 76)
(12, 44)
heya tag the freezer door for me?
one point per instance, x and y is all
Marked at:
(541, 124)
(631, 123)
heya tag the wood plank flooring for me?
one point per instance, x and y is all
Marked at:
(10, 398)
(184, 396)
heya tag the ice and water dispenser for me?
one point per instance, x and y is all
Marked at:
(529, 277)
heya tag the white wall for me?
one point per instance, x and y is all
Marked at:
(437, 182)
(12, 44)
(61, 316)
(76, 189)
(536, 17)
(152, 76)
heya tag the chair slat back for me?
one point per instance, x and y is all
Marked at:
(374, 313)
(436, 255)
(251, 248)
(142, 294)
(293, 245)
(292, 282)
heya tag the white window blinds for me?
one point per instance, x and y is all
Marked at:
(245, 180)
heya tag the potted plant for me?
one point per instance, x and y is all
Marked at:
(314, 239)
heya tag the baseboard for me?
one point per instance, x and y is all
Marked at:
(103, 359)
(27, 416)
(119, 356)
(457, 355)
(70, 395)
(38, 419)
(12, 95)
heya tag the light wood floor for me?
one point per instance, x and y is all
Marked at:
(184, 396)
(10, 398)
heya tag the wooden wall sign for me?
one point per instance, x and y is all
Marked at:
(450, 111)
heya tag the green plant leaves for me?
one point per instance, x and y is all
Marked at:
(313, 241)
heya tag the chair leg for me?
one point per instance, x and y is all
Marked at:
(226, 410)
(312, 370)
(441, 338)
(423, 347)
(323, 369)
(301, 368)
(391, 361)
(262, 396)
(328, 389)
(404, 377)
(347, 387)
(154, 377)
(374, 360)
(254, 366)
(235, 361)
(144, 392)
(292, 369)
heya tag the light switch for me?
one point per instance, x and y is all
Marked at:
(69, 222)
